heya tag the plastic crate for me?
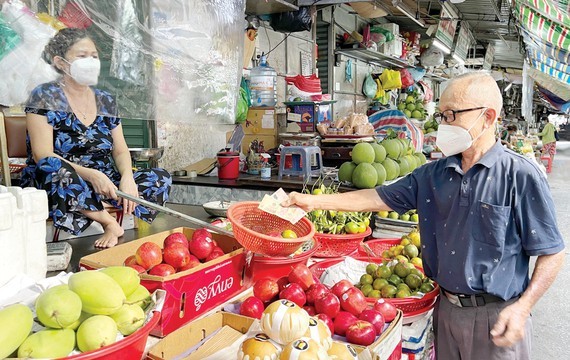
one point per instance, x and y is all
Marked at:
(330, 245)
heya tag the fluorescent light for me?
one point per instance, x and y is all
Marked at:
(438, 44)
(406, 11)
(508, 87)
(459, 60)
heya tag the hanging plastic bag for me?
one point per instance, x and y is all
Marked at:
(292, 21)
(390, 79)
(244, 102)
(369, 87)
(432, 56)
(9, 38)
(388, 36)
(417, 73)
(380, 93)
(406, 78)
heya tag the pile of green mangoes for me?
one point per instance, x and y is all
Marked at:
(86, 314)
(393, 280)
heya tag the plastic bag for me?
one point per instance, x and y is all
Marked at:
(380, 93)
(391, 79)
(406, 78)
(369, 87)
(388, 36)
(417, 73)
(9, 39)
(244, 102)
(432, 56)
(292, 21)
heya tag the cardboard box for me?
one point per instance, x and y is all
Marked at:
(190, 293)
(308, 114)
(260, 122)
(182, 340)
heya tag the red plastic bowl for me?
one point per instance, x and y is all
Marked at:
(128, 348)
(378, 246)
(339, 245)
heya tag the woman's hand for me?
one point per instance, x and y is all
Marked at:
(102, 184)
(128, 185)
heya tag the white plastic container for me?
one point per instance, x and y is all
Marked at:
(263, 84)
(23, 214)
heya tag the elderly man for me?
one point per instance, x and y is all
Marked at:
(484, 211)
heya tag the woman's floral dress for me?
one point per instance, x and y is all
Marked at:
(89, 146)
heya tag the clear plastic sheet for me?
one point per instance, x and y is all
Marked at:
(172, 60)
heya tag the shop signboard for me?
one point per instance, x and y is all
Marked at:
(489, 56)
(446, 28)
(464, 41)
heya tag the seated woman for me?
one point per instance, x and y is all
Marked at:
(76, 149)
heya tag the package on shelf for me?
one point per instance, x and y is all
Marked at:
(415, 335)
(23, 214)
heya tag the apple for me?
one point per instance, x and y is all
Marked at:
(293, 292)
(315, 292)
(265, 289)
(201, 244)
(310, 310)
(387, 309)
(138, 268)
(374, 317)
(282, 282)
(176, 255)
(301, 275)
(175, 238)
(193, 262)
(328, 304)
(340, 287)
(327, 320)
(162, 270)
(343, 321)
(353, 301)
(216, 253)
(252, 307)
(361, 333)
(148, 255)
(131, 260)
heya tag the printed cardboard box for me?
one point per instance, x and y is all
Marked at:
(190, 293)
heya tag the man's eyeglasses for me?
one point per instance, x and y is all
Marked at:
(448, 116)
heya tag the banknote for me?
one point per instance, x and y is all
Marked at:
(272, 204)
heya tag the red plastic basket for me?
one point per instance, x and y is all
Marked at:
(339, 245)
(407, 305)
(251, 226)
(378, 246)
(129, 348)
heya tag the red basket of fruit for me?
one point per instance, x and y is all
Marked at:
(408, 305)
(252, 226)
(378, 246)
(330, 245)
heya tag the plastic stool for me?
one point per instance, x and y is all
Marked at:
(548, 160)
(305, 153)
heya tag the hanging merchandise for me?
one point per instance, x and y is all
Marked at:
(432, 56)
(9, 38)
(348, 71)
(391, 79)
(380, 93)
(263, 84)
(292, 21)
(244, 101)
(406, 78)
(369, 87)
(388, 35)
(74, 16)
(428, 92)
(417, 73)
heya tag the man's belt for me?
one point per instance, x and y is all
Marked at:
(475, 300)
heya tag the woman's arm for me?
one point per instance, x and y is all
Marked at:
(122, 158)
(41, 140)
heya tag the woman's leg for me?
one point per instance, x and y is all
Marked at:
(113, 231)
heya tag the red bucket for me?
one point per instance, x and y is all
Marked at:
(228, 165)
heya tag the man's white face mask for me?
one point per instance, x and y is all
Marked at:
(452, 139)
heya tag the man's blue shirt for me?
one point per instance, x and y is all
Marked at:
(479, 229)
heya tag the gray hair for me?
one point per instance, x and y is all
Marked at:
(60, 44)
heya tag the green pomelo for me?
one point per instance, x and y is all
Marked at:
(408, 113)
(140, 297)
(96, 332)
(345, 171)
(392, 168)
(58, 307)
(412, 161)
(404, 167)
(99, 293)
(127, 277)
(129, 319)
(421, 157)
(381, 172)
(48, 344)
(411, 107)
(365, 176)
(363, 153)
(417, 114)
(401, 106)
(15, 325)
(379, 152)
(393, 148)
(419, 106)
(410, 99)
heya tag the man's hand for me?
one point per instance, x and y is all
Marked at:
(301, 200)
(510, 325)
(128, 185)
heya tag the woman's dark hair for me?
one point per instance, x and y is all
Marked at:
(61, 42)
(512, 128)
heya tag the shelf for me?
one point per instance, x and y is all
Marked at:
(262, 7)
(374, 57)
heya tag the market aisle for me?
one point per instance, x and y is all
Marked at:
(551, 318)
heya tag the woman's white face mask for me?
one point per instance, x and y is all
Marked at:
(452, 139)
(85, 70)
